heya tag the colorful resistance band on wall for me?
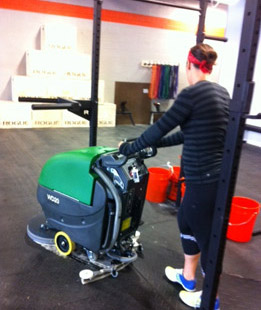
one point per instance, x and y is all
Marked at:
(164, 82)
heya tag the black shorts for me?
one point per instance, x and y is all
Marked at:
(195, 219)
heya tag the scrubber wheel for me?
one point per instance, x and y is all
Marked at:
(63, 243)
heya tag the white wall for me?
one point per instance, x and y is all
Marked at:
(123, 47)
(231, 48)
(228, 69)
(254, 137)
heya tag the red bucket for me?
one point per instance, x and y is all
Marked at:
(242, 219)
(174, 179)
(158, 184)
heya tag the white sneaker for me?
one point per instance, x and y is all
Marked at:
(193, 299)
(176, 275)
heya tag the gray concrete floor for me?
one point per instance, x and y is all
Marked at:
(33, 278)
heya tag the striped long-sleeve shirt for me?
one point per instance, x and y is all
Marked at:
(201, 110)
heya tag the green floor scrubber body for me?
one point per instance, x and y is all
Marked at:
(92, 200)
(72, 198)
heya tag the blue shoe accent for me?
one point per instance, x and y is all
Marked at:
(188, 285)
(217, 304)
(176, 275)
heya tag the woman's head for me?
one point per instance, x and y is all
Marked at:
(202, 57)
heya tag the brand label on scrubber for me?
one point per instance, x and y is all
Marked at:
(135, 175)
(53, 199)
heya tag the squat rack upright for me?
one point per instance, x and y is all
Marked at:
(239, 112)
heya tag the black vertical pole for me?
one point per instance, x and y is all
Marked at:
(201, 23)
(240, 107)
(95, 71)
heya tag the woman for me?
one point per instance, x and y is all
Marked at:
(201, 110)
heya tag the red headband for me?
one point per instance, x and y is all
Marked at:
(203, 66)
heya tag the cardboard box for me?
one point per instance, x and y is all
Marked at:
(59, 36)
(59, 64)
(72, 120)
(107, 115)
(46, 118)
(51, 87)
(15, 115)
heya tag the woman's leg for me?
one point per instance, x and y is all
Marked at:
(185, 276)
(189, 243)
(199, 216)
(190, 266)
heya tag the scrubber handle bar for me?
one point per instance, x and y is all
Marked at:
(109, 160)
(115, 160)
(145, 153)
(148, 152)
(118, 205)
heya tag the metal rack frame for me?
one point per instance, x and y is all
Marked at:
(95, 70)
(239, 110)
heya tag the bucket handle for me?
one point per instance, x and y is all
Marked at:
(170, 166)
(246, 208)
(239, 224)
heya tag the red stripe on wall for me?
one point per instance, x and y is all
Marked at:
(46, 7)
(145, 20)
(62, 9)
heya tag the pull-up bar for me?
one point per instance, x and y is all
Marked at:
(201, 25)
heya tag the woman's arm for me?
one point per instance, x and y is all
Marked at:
(176, 115)
(174, 139)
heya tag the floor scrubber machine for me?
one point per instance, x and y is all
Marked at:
(92, 201)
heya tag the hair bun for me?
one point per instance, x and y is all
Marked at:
(211, 57)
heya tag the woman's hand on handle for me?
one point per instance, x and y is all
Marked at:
(124, 148)
(120, 143)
